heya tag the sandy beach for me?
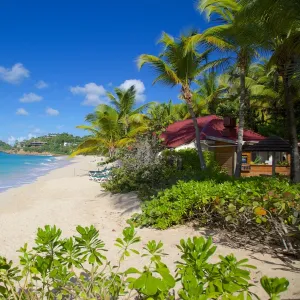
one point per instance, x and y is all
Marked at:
(66, 197)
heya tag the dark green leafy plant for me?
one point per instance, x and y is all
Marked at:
(274, 286)
(268, 206)
(76, 268)
(210, 281)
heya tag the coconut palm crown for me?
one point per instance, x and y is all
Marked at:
(177, 67)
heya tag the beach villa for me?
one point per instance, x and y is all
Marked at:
(37, 144)
(261, 155)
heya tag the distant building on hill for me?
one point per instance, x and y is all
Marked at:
(67, 144)
(37, 144)
(51, 135)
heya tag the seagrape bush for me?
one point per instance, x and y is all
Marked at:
(267, 205)
(76, 268)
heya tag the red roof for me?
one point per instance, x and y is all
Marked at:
(211, 127)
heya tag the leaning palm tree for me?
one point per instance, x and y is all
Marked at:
(125, 102)
(176, 66)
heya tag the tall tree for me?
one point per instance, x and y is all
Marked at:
(209, 93)
(224, 37)
(125, 104)
(178, 66)
(276, 27)
(161, 115)
(107, 133)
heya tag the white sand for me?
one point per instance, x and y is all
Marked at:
(65, 197)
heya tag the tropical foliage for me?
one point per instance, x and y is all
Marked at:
(255, 78)
(4, 146)
(147, 169)
(282, 39)
(113, 127)
(77, 268)
(56, 143)
(178, 65)
(270, 208)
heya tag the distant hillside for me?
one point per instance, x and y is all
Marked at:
(63, 143)
(4, 146)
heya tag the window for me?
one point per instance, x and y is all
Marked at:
(244, 159)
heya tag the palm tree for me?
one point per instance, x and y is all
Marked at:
(209, 93)
(124, 103)
(176, 66)
(106, 132)
(225, 38)
(161, 115)
(279, 33)
(260, 96)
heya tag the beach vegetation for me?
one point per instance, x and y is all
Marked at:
(4, 146)
(268, 207)
(112, 127)
(147, 167)
(77, 268)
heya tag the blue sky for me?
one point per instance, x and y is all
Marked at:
(58, 58)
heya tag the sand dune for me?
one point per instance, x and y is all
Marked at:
(65, 197)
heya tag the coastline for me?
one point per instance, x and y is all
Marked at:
(29, 170)
(21, 152)
(65, 197)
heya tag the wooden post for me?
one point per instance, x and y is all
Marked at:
(273, 163)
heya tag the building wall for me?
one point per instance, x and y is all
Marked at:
(257, 170)
(225, 155)
(192, 145)
(260, 169)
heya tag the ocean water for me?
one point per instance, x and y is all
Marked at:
(17, 170)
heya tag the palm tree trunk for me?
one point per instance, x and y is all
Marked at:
(239, 157)
(187, 95)
(198, 142)
(295, 162)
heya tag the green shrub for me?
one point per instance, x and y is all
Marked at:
(190, 159)
(264, 204)
(142, 169)
(146, 171)
(76, 268)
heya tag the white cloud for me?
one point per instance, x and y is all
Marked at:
(22, 112)
(60, 126)
(94, 94)
(41, 84)
(31, 97)
(52, 112)
(139, 87)
(15, 74)
(12, 140)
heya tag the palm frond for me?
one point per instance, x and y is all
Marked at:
(166, 74)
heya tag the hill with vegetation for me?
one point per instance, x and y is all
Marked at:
(63, 143)
(4, 146)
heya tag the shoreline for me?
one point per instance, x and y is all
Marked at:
(31, 153)
(35, 172)
(66, 198)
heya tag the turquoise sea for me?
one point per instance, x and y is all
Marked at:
(16, 170)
